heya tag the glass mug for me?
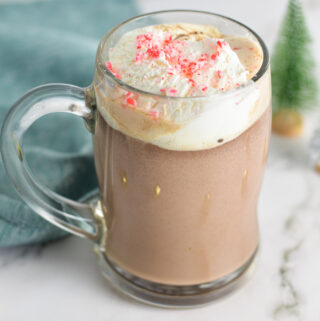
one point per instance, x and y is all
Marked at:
(170, 227)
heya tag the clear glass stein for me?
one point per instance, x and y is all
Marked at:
(171, 228)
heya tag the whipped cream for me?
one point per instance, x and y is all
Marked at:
(182, 60)
(174, 62)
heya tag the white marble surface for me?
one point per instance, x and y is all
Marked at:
(60, 281)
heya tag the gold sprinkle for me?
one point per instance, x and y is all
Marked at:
(206, 205)
(123, 178)
(244, 181)
(165, 110)
(245, 173)
(158, 190)
(264, 153)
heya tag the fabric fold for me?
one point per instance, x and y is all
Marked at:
(46, 42)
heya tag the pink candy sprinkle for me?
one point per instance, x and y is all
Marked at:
(173, 91)
(148, 45)
(130, 101)
(215, 55)
(154, 114)
(153, 52)
(152, 46)
(139, 56)
(109, 66)
(193, 83)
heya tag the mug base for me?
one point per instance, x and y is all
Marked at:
(169, 296)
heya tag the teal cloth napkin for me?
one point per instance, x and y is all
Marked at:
(43, 42)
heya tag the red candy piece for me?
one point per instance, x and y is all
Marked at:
(215, 55)
(109, 66)
(152, 46)
(154, 114)
(173, 91)
(131, 101)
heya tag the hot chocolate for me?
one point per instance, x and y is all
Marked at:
(180, 158)
(180, 115)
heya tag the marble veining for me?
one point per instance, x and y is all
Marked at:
(290, 304)
(301, 223)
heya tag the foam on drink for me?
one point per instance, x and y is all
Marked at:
(175, 61)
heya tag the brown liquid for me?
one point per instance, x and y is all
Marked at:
(181, 217)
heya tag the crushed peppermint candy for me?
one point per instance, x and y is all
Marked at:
(168, 62)
(109, 66)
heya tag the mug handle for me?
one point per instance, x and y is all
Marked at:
(75, 217)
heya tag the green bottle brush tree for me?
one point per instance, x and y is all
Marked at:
(294, 84)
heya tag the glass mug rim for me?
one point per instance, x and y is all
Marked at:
(101, 66)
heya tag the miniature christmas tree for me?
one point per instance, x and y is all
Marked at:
(292, 66)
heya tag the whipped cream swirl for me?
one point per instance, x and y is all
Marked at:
(174, 60)
(183, 60)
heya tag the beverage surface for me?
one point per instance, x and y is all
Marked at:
(194, 71)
